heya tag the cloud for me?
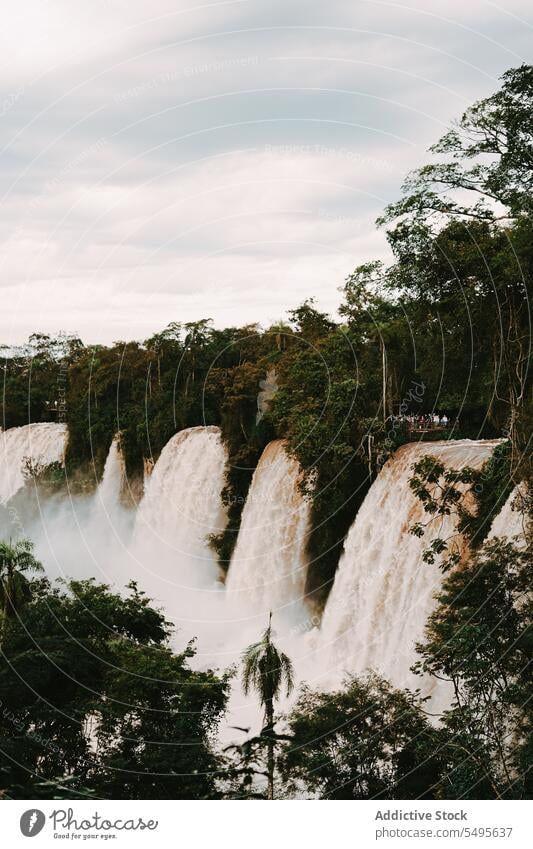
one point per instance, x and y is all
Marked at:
(163, 162)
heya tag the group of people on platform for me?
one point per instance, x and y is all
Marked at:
(426, 421)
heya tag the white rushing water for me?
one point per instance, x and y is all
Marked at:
(510, 522)
(36, 445)
(383, 591)
(269, 387)
(114, 477)
(76, 535)
(269, 567)
(181, 507)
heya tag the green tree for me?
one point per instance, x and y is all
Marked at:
(459, 237)
(488, 156)
(443, 490)
(309, 322)
(17, 565)
(480, 639)
(94, 700)
(265, 669)
(364, 741)
(373, 320)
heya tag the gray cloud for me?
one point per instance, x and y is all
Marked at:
(160, 162)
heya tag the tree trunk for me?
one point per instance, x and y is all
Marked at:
(7, 582)
(269, 716)
(384, 378)
(3, 627)
(370, 443)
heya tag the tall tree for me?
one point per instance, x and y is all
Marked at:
(363, 741)
(486, 168)
(462, 234)
(17, 565)
(266, 669)
(479, 639)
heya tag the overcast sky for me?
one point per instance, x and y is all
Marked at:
(165, 160)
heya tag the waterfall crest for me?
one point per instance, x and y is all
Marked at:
(182, 506)
(383, 591)
(268, 568)
(41, 444)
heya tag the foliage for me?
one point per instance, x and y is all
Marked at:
(479, 639)
(34, 378)
(365, 741)
(94, 700)
(444, 492)
(487, 156)
(17, 564)
(265, 669)
(462, 241)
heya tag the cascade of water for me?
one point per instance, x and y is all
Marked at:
(269, 388)
(148, 467)
(33, 446)
(76, 535)
(181, 507)
(268, 567)
(510, 522)
(110, 487)
(382, 594)
(383, 591)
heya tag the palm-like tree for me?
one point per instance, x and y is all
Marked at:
(16, 561)
(266, 670)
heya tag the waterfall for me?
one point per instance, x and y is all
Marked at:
(181, 507)
(148, 467)
(269, 387)
(268, 568)
(28, 447)
(111, 485)
(382, 594)
(383, 591)
(267, 573)
(510, 522)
